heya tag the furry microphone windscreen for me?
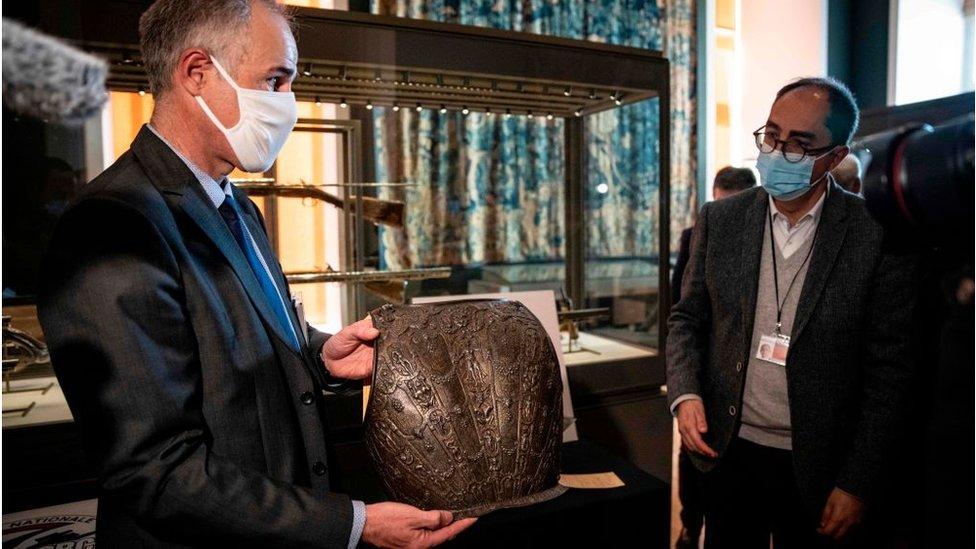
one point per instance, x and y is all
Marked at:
(47, 79)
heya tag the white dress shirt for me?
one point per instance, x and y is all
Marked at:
(788, 238)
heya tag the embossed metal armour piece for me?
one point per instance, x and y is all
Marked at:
(465, 412)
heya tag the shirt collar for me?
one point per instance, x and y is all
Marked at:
(814, 212)
(216, 191)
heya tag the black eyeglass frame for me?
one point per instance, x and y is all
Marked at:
(779, 144)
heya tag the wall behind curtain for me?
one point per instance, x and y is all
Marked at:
(490, 189)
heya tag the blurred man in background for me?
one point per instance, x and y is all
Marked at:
(847, 174)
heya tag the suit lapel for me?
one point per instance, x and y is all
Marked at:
(832, 231)
(169, 174)
(751, 246)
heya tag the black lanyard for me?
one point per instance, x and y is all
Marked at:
(772, 249)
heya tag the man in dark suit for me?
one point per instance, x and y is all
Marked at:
(792, 441)
(728, 181)
(170, 324)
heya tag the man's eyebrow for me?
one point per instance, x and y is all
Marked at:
(285, 70)
(806, 135)
(772, 125)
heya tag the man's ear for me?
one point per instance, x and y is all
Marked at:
(193, 70)
(837, 156)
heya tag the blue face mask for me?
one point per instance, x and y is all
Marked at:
(785, 180)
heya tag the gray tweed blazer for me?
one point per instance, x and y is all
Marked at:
(848, 366)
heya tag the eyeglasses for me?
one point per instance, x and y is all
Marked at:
(791, 150)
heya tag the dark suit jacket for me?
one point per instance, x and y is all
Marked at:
(205, 426)
(848, 363)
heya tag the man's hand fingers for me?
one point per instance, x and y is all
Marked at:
(432, 520)
(707, 450)
(438, 537)
(832, 528)
(686, 438)
(699, 444)
(842, 529)
(364, 329)
(825, 516)
(828, 522)
(700, 422)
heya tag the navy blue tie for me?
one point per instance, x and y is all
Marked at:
(231, 213)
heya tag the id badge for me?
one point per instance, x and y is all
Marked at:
(773, 348)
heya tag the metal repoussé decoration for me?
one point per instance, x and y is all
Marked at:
(465, 412)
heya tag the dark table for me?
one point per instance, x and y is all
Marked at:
(637, 512)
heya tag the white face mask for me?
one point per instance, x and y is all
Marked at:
(266, 120)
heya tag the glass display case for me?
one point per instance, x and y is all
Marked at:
(435, 159)
(423, 165)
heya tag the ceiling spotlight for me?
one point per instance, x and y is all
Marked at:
(369, 105)
(343, 104)
(568, 91)
(419, 107)
(489, 113)
(508, 113)
(592, 95)
(530, 113)
(465, 111)
(318, 101)
(308, 70)
(618, 101)
(396, 108)
(142, 92)
(549, 116)
(577, 113)
(443, 109)
(378, 77)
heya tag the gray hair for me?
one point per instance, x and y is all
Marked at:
(169, 27)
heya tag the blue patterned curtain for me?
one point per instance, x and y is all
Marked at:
(490, 189)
